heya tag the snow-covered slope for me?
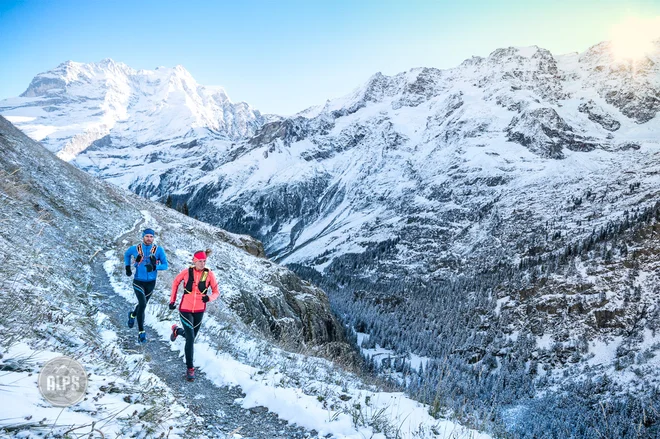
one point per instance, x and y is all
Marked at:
(64, 293)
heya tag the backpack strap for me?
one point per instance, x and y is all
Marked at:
(187, 289)
(140, 255)
(202, 282)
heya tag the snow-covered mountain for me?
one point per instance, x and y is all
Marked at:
(73, 106)
(366, 167)
(470, 214)
(438, 159)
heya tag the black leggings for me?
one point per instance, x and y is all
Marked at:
(191, 323)
(143, 292)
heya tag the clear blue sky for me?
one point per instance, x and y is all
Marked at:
(282, 56)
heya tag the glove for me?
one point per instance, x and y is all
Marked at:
(172, 305)
(128, 271)
(152, 259)
(150, 268)
(205, 298)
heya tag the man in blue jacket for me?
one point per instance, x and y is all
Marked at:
(148, 260)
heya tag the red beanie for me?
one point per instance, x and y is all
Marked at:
(200, 256)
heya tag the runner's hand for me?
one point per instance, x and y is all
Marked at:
(172, 305)
(205, 298)
(128, 271)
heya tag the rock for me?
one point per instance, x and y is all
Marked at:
(545, 133)
(298, 316)
(598, 115)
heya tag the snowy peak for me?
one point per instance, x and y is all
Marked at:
(519, 94)
(513, 76)
(603, 54)
(517, 77)
(74, 105)
(517, 56)
(410, 88)
(513, 64)
(513, 68)
(632, 86)
(72, 73)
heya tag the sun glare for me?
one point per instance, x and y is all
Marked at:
(632, 39)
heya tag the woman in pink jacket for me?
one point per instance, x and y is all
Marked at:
(197, 280)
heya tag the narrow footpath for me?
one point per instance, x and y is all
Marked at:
(214, 406)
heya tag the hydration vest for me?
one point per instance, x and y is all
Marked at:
(141, 253)
(187, 289)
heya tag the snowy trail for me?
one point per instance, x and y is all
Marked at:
(217, 413)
